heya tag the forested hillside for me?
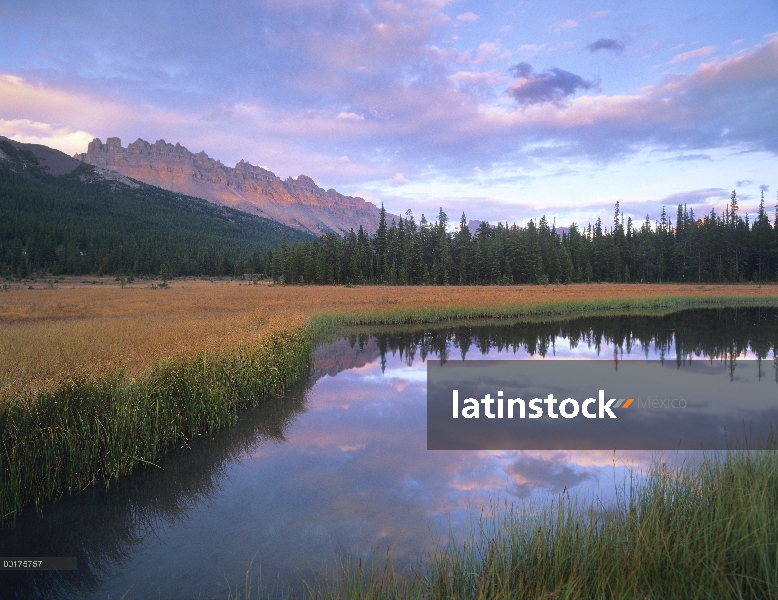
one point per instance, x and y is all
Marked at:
(713, 248)
(85, 223)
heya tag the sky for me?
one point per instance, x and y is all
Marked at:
(503, 110)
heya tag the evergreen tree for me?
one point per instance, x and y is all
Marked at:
(380, 242)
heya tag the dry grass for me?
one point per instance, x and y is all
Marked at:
(79, 328)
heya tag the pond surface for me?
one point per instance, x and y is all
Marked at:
(338, 468)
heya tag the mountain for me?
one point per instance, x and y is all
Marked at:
(298, 203)
(62, 216)
(44, 158)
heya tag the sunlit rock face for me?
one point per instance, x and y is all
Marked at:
(299, 202)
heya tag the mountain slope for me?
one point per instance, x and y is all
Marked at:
(299, 202)
(91, 221)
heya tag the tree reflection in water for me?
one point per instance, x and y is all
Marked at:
(724, 334)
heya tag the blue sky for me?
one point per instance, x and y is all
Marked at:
(504, 110)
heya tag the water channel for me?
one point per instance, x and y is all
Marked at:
(338, 468)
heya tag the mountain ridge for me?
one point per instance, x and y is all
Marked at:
(65, 217)
(297, 202)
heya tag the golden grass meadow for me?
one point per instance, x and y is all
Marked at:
(78, 328)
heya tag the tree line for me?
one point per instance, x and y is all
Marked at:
(714, 248)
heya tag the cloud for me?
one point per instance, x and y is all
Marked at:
(350, 116)
(694, 198)
(20, 99)
(744, 182)
(467, 17)
(565, 25)
(554, 474)
(600, 14)
(399, 179)
(724, 104)
(33, 132)
(303, 47)
(479, 78)
(606, 44)
(491, 51)
(430, 112)
(692, 54)
(533, 49)
(764, 188)
(689, 157)
(552, 86)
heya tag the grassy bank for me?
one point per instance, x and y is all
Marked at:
(703, 530)
(532, 310)
(97, 328)
(708, 531)
(74, 412)
(91, 429)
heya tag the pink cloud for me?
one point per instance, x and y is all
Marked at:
(21, 99)
(678, 105)
(692, 54)
(399, 179)
(350, 116)
(483, 78)
(447, 121)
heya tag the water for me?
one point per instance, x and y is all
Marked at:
(338, 469)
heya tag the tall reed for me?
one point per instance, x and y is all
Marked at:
(93, 429)
(499, 311)
(706, 529)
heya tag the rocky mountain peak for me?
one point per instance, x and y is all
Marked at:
(297, 202)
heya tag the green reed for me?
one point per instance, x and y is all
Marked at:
(707, 530)
(519, 310)
(89, 430)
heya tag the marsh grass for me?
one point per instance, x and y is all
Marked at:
(92, 429)
(332, 327)
(98, 380)
(529, 312)
(706, 529)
